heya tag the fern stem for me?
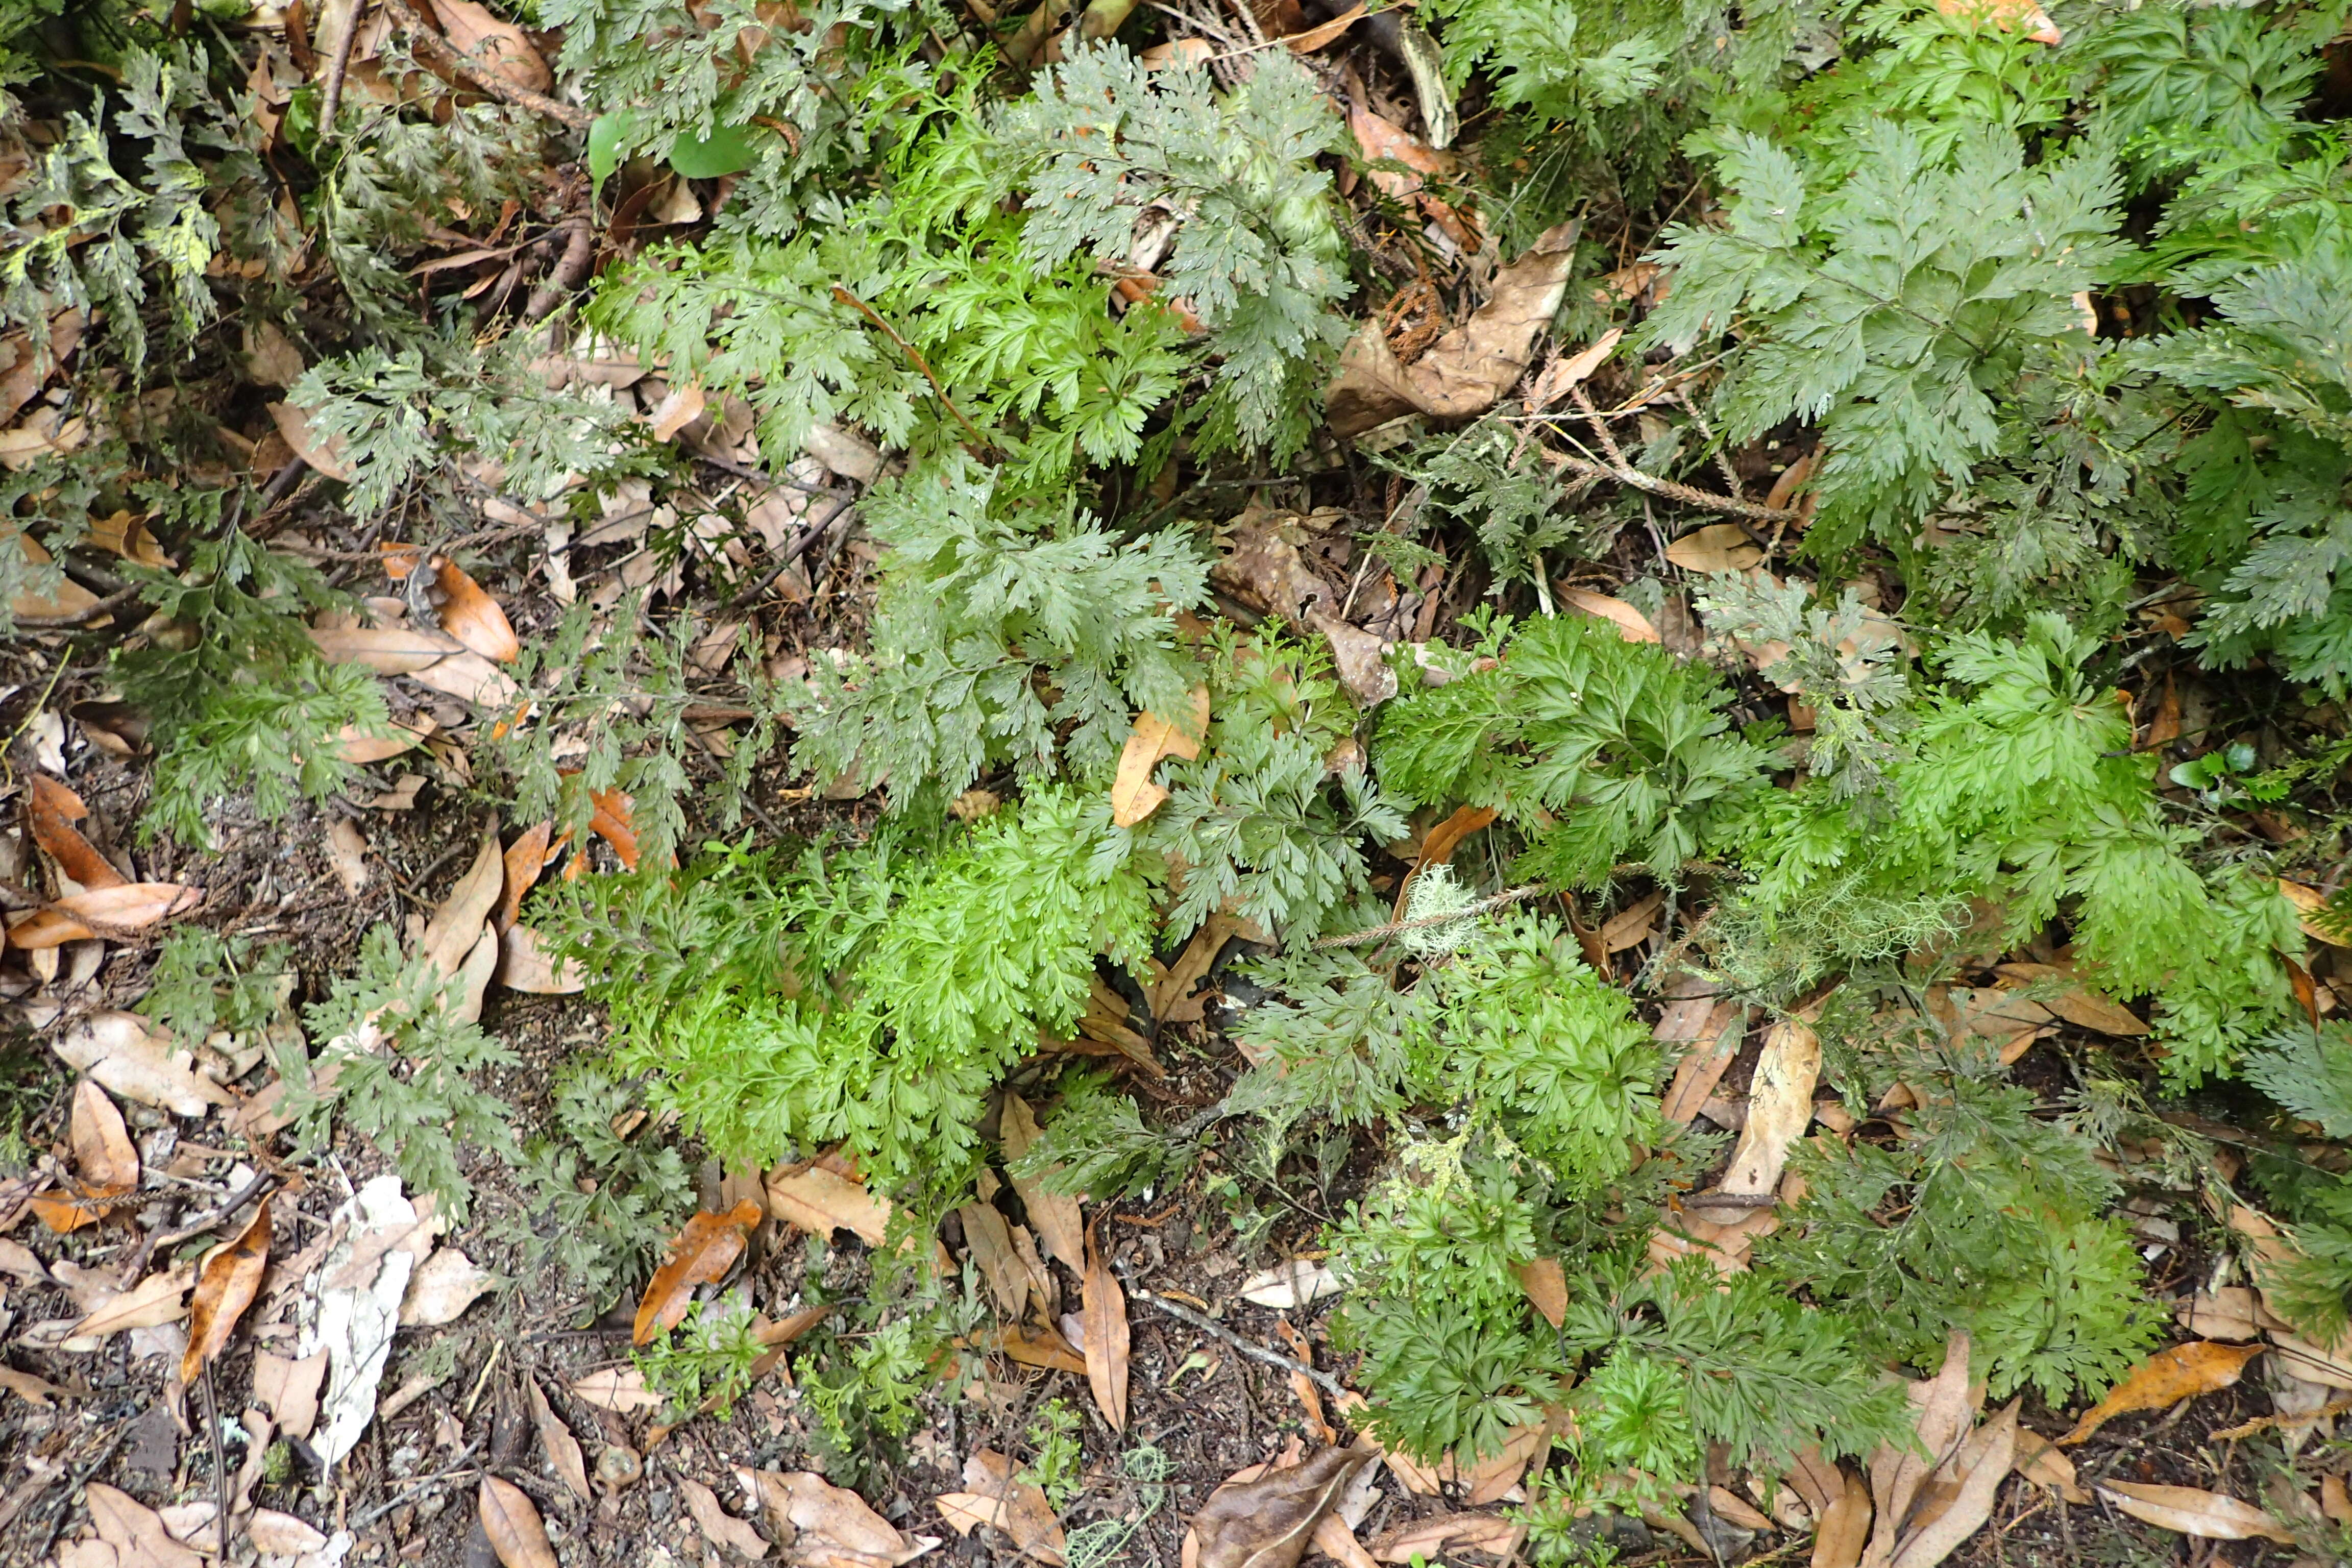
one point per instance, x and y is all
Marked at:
(1484, 905)
(1670, 489)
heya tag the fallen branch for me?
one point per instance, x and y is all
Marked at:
(1670, 489)
(444, 53)
(1218, 1330)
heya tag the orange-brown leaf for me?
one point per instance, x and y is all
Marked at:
(511, 1522)
(524, 860)
(1631, 624)
(1133, 795)
(227, 1282)
(2010, 16)
(104, 1155)
(1546, 1283)
(102, 911)
(1443, 840)
(51, 812)
(2167, 1378)
(1040, 1348)
(614, 823)
(1106, 1320)
(703, 1252)
(471, 615)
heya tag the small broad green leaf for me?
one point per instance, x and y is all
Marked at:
(725, 150)
(606, 137)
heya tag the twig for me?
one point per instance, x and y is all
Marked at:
(1216, 1330)
(92, 611)
(914, 354)
(339, 62)
(1484, 905)
(1671, 490)
(488, 80)
(570, 270)
(794, 548)
(262, 1181)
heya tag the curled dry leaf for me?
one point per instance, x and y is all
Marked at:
(1133, 795)
(1563, 375)
(2193, 1512)
(701, 1253)
(828, 1526)
(227, 1282)
(1107, 1340)
(358, 1287)
(1057, 1216)
(116, 1049)
(347, 850)
(511, 1522)
(1267, 1522)
(2040, 1461)
(2166, 1378)
(51, 811)
(563, 1452)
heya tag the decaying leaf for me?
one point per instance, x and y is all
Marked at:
(1107, 1340)
(1471, 366)
(618, 1389)
(1631, 624)
(1267, 1522)
(134, 1531)
(700, 1254)
(1977, 1470)
(1844, 1528)
(523, 860)
(1488, 1532)
(1718, 547)
(995, 1496)
(227, 1282)
(1943, 1411)
(1546, 1283)
(1057, 1216)
(525, 965)
(106, 1163)
(154, 1300)
(2039, 1460)
(455, 928)
(1040, 1348)
(563, 1452)
(2164, 1379)
(102, 913)
(821, 1202)
(51, 811)
(718, 1527)
(2075, 1003)
(828, 1526)
(358, 1288)
(2193, 1512)
(1780, 1107)
(1133, 795)
(472, 616)
(511, 1522)
(1296, 1283)
(441, 1289)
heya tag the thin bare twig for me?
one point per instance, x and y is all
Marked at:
(1669, 489)
(339, 62)
(1216, 1330)
(915, 356)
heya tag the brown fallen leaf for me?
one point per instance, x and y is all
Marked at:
(1041, 1348)
(523, 860)
(1718, 547)
(2075, 1003)
(995, 1496)
(1267, 1522)
(989, 1240)
(106, 1163)
(2335, 1501)
(227, 1282)
(288, 1389)
(829, 1526)
(2164, 1379)
(821, 1202)
(116, 1049)
(1173, 1000)
(2039, 1460)
(1780, 1108)
(700, 1254)
(2308, 903)
(1055, 1216)
(37, 1392)
(1105, 1314)
(134, 1531)
(1977, 1470)
(1944, 1410)
(51, 811)
(718, 1527)
(1264, 568)
(1631, 624)
(324, 455)
(525, 965)
(1426, 1538)
(614, 820)
(511, 1522)
(1133, 795)
(1546, 1283)
(1845, 1527)
(1472, 366)
(472, 616)
(440, 1289)
(487, 43)
(101, 912)
(347, 849)
(456, 927)
(620, 1390)
(2211, 1516)
(154, 1302)
(563, 1452)
(1703, 1066)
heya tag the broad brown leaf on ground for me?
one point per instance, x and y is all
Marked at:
(525, 965)
(1426, 1538)
(2164, 1379)
(1055, 1216)
(821, 1202)
(1845, 1527)
(614, 820)
(524, 860)
(1173, 998)
(2039, 1460)
(134, 1531)
(106, 1163)
(1106, 1337)
(1043, 1348)
(1546, 1283)
(1975, 1473)
(1267, 1522)
(1474, 364)
(824, 1526)
(117, 1050)
(1780, 1106)
(154, 1300)
(227, 1282)
(1133, 795)
(619, 1389)
(1943, 1407)
(563, 1451)
(995, 1495)
(441, 1289)
(989, 1240)
(102, 913)
(487, 43)
(51, 810)
(469, 614)
(456, 927)
(701, 1253)
(1718, 547)
(1631, 624)
(718, 1526)
(2191, 1511)
(511, 1522)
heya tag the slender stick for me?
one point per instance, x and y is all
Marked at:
(1210, 1326)
(1671, 490)
(913, 354)
(339, 62)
